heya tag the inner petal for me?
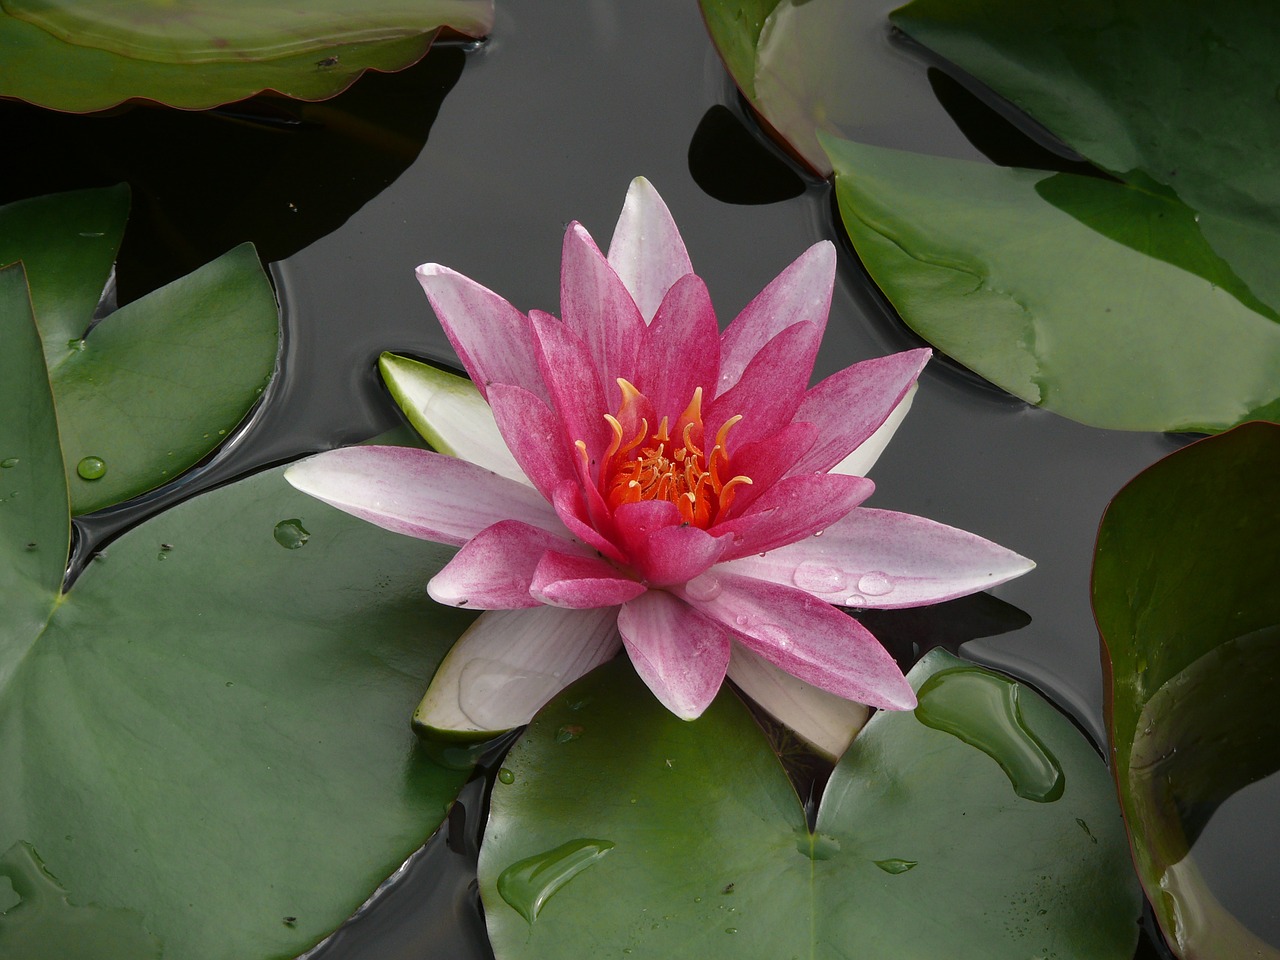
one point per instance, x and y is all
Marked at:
(668, 461)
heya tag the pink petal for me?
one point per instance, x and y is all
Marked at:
(792, 509)
(828, 722)
(578, 581)
(535, 436)
(864, 455)
(574, 514)
(596, 306)
(770, 389)
(807, 638)
(802, 292)
(681, 349)
(646, 250)
(419, 492)
(637, 522)
(768, 460)
(887, 560)
(676, 554)
(679, 653)
(849, 406)
(570, 374)
(494, 569)
(511, 662)
(492, 338)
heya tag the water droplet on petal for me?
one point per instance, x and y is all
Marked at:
(773, 633)
(818, 533)
(874, 584)
(703, 588)
(742, 620)
(816, 577)
(91, 468)
(855, 600)
(291, 534)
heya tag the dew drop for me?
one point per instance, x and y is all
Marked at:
(855, 600)
(742, 620)
(816, 577)
(527, 884)
(981, 708)
(91, 468)
(506, 776)
(874, 584)
(9, 462)
(895, 866)
(730, 929)
(291, 534)
(76, 344)
(773, 633)
(704, 588)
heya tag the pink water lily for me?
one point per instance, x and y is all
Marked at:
(636, 478)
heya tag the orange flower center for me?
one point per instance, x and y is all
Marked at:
(669, 463)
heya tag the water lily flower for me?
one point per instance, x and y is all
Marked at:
(628, 476)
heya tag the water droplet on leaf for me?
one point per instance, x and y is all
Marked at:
(570, 731)
(527, 884)
(9, 462)
(895, 866)
(291, 534)
(91, 468)
(506, 776)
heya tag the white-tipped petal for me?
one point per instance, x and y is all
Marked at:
(511, 662)
(826, 721)
(449, 413)
(646, 250)
(864, 457)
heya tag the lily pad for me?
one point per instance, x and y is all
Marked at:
(1095, 299)
(153, 388)
(617, 828)
(1184, 589)
(205, 739)
(71, 57)
(1177, 93)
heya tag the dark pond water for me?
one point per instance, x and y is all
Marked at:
(477, 159)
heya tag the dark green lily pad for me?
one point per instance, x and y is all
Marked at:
(205, 740)
(64, 74)
(1184, 589)
(154, 387)
(1178, 93)
(1095, 299)
(616, 828)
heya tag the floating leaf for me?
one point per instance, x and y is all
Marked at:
(618, 828)
(1092, 298)
(1172, 92)
(72, 56)
(208, 733)
(1184, 589)
(154, 387)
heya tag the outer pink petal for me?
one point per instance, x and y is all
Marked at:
(887, 560)
(802, 292)
(596, 306)
(808, 639)
(492, 338)
(771, 388)
(792, 509)
(825, 720)
(511, 662)
(572, 380)
(493, 570)
(679, 653)
(562, 580)
(419, 493)
(535, 436)
(681, 349)
(848, 406)
(864, 455)
(646, 250)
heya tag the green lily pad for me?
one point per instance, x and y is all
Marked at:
(1095, 299)
(314, 62)
(205, 741)
(1184, 589)
(617, 828)
(153, 388)
(1175, 92)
